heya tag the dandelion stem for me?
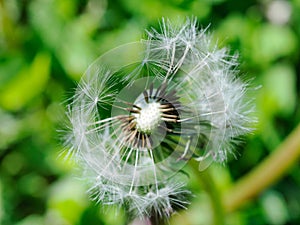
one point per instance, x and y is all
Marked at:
(214, 194)
(145, 221)
(266, 174)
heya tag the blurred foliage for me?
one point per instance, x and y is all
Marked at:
(46, 45)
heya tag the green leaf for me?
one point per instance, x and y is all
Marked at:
(28, 83)
(275, 208)
(270, 42)
(280, 88)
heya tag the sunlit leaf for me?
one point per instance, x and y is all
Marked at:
(27, 84)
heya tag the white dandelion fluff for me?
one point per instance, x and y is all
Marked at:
(143, 110)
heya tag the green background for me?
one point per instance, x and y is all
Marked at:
(45, 47)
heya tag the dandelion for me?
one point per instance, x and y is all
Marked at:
(134, 122)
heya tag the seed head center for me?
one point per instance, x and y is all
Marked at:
(148, 118)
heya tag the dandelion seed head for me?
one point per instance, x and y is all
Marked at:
(133, 125)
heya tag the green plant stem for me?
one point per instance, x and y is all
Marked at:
(145, 221)
(214, 195)
(265, 174)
